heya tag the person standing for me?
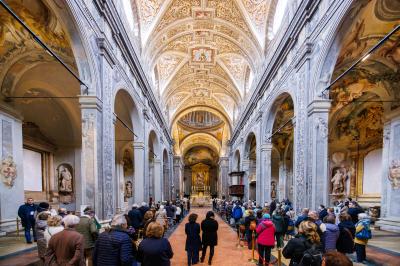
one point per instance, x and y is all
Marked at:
(193, 241)
(53, 227)
(302, 217)
(40, 228)
(143, 208)
(66, 247)
(87, 227)
(345, 242)
(26, 213)
(114, 246)
(250, 225)
(135, 217)
(154, 250)
(363, 234)
(307, 240)
(209, 238)
(265, 240)
(178, 213)
(279, 223)
(330, 235)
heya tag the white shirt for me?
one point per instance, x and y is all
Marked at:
(178, 210)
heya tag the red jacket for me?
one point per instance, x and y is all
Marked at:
(266, 232)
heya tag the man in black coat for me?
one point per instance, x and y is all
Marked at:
(135, 217)
(144, 208)
(209, 238)
(27, 214)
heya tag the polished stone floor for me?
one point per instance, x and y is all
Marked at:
(227, 252)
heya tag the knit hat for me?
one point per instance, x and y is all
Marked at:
(266, 216)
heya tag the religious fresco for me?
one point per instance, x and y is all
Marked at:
(285, 112)
(41, 20)
(200, 155)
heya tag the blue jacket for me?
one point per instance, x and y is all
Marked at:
(300, 219)
(155, 251)
(331, 235)
(113, 248)
(27, 214)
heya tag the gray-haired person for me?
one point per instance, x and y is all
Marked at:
(114, 246)
(66, 247)
(87, 227)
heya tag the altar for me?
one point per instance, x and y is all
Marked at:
(200, 194)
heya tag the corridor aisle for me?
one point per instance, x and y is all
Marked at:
(226, 252)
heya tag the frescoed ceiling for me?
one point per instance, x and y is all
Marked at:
(203, 53)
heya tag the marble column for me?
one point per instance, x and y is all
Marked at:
(177, 188)
(390, 207)
(223, 169)
(246, 178)
(139, 155)
(266, 172)
(11, 193)
(157, 180)
(318, 159)
(89, 186)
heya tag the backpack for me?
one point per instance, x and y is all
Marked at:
(311, 257)
(237, 213)
(365, 233)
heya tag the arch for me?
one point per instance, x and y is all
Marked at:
(129, 107)
(200, 139)
(274, 109)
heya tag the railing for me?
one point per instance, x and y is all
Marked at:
(16, 223)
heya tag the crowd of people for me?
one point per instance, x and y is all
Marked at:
(134, 237)
(313, 237)
(321, 237)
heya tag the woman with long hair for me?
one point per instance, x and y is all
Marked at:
(193, 241)
(210, 238)
(305, 247)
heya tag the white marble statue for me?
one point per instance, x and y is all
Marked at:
(338, 183)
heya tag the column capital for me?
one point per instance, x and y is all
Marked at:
(319, 106)
(138, 145)
(90, 102)
(266, 147)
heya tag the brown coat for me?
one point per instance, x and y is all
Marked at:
(65, 248)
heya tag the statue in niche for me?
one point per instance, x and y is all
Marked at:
(65, 178)
(338, 182)
(128, 189)
(273, 190)
(394, 174)
(8, 171)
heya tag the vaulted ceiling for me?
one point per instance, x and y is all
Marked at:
(203, 54)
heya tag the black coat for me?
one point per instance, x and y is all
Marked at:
(143, 210)
(153, 251)
(135, 218)
(209, 227)
(345, 242)
(193, 240)
(294, 249)
(27, 214)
